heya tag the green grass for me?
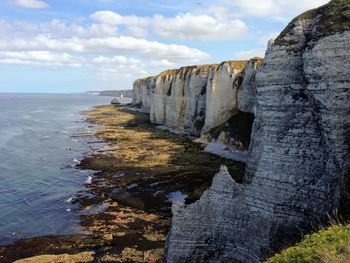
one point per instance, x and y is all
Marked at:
(331, 245)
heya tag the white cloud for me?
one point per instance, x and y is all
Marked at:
(136, 31)
(55, 28)
(146, 48)
(112, 18)
(107, 17)
(198, 27)
(119, 60)
(58, 36)
(35, 4)
(40, 58)
(118, 67)
(120, 45)
(98, 47)
(41, 42)
(164, 63)
(248, 54)
(186, 26)
(121, 66)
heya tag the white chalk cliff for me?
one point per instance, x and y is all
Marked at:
(299, 163)
(197, 99)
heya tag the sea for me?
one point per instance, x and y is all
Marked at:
(42, 139)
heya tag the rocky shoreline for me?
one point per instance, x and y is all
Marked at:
(126, 209)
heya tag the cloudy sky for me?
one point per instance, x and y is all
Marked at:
(78, 45)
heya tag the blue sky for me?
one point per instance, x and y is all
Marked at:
(79, 45)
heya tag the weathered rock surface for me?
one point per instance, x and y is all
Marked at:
(298, 167)
(221, 97)
(197, 99)
(142, 90)
(178, 99)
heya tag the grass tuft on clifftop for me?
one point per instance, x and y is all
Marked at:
(331, 245)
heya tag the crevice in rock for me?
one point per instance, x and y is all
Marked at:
(170, 88)
(237, 83)
(204, 89)
(199, 118)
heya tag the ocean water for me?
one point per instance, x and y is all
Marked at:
(39, 147)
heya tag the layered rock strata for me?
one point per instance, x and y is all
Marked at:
(197, 99)
(298, 167)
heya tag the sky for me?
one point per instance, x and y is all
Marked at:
(69, 46)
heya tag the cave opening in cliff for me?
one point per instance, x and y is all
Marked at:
(237, 131)
(240, 128)
(233, 138)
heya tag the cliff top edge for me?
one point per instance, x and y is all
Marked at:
(196, 69)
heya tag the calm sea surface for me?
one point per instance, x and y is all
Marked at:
(38, 151)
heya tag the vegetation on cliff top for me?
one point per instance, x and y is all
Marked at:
(196, 69)
(236, 64)
(330, 18)
(331, 245)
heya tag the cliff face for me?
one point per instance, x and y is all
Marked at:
(198, 98)
(178, 98)
(222, 88)
(142, 90)
(298, 167)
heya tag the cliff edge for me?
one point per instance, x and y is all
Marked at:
(298, 168)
